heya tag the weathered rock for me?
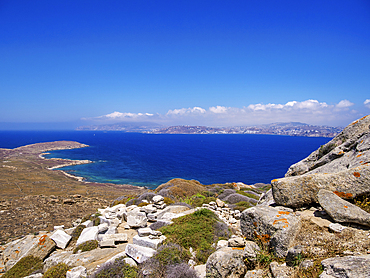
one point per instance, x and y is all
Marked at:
(77, 272)
(173, 210)
(236, 242)
(88, 223)
(341, 210)
(251, 250)
(137, 220)
(266, 199)
(144, 231)
(87, 234)
(109, 243)
(121, 237)
(220, 203)
(336, 227)
(222, 244)
(139, 253)
(345, 151)
(37, 275)
(226, 262)
(349, 266)
(89, 259)
(61, 238)
(280, 271)
(103, 227)
(148, 242)
(277, 226)
(306, 264)
(302, 190)
(200, 270)
(42, 248)
(157, 198)
(236, 198)
(257, 273)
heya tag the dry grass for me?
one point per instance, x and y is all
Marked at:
(181, 188)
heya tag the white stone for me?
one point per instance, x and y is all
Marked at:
(336, 227)
(107, 243)
(201, 270)
(148, 242)
(88, 223)
(137, 220)
(157, 198)
(37, 275)
(61, 238)
(139, 253)
(87, 234)
(130, 262)
(121, 237)
(103, 227)
(220, 203)
(61, 227)
(144, 231)
(222, 244)
(77, 272)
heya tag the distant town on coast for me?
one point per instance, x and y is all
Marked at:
(287, 129)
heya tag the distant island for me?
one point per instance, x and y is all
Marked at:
(288, 129)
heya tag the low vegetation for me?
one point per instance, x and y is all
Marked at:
(118, 268)
(197, 230)
(24, 267)
(77, 232)
(86, 246)
(57, 271)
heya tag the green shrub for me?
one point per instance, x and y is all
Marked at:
(196, 230)
(242, 205)
(363, 202)
(86, 246)
(198, 200)
(24, 267)
(57, 271)
(118, 268)
(168, 201)
(77, 232)
(93, 217)
(250, 195)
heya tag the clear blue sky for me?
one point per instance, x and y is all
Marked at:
(184, 62)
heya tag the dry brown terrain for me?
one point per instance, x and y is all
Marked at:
(34, 198)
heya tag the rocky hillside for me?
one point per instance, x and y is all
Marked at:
(315, 222)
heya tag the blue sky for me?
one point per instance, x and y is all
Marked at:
(184, 62)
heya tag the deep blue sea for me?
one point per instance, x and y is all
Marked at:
(149, 160)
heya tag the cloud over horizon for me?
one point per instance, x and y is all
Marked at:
(309, 111)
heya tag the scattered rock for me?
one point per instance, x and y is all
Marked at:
(336, 227)
(236, 242)
(226, 262)
(276, 226)
(257, 273)
(341, 210)
(77, 272)
(280, 271)
(139, 253)
(61, 238)
(88, 234)
(349, 266)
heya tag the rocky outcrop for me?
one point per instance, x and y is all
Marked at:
(344, 151)
(226, 263)
(341, 210)
(277, 227)
(350, 266)
(302, 190)
(341, 166)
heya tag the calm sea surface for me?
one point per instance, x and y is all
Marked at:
(149, 160)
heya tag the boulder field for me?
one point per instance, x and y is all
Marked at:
(314, 222)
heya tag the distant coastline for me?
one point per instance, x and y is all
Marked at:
(286, 129)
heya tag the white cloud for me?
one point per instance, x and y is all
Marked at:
(344, 104)
(309, 111)
(184, 111)
(367, 103)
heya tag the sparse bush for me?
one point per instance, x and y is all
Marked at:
(325, 149)
(168, 201)
(24, 267)
(93, 217)
(118, 268)
(242, 205)
(57, 271)
(168, 256)
(196, 230)
(182, 270)
(77, 232)
(86, 246)
(363, 202)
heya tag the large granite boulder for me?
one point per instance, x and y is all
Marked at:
(302, 190)
(341, 165)
(341, 210)
(275, 226)
(226, 263)
(88, 234)
(61, 238)
(349, 266)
